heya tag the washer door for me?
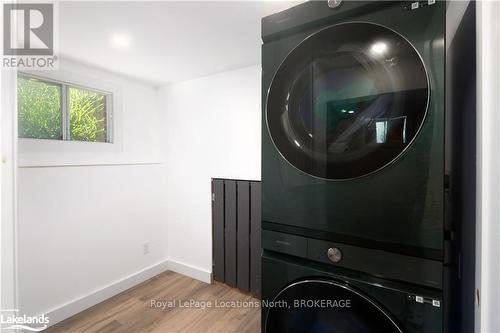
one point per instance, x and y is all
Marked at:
(326, 306)
(347, 101)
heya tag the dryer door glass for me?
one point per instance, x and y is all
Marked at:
(326, 306)
(347, 101)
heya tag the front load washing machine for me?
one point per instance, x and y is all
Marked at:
(317, 298)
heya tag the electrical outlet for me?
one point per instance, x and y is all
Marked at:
(145, 248)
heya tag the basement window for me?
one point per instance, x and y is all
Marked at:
(53, 110)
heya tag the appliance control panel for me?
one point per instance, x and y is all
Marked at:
(376, 262)
(414, 5)
(424, 300)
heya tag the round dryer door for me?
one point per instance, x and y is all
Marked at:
(347, 101)
(326, 306)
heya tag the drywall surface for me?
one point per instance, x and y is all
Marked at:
(488, 182)
(88, 211)
(212, 129)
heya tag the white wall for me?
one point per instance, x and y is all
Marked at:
(212, 129)
(8, 170)
(488, 226)
(86, 209)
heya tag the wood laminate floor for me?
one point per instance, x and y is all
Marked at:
(131, 311)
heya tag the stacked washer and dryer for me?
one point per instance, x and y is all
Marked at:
(357, 153)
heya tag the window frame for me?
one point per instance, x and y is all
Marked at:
(65, 112)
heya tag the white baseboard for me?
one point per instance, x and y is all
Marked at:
(191, 271)
(77, 305)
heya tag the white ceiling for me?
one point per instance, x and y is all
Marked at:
(163, 42)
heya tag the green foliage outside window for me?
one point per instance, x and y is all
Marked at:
(87, 111)
(40, 111)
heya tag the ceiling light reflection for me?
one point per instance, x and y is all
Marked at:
(379, 48)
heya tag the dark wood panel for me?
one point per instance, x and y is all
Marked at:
(243, 270)
(236, 214)
(218, 229)
(230, 231)
(255, 238)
